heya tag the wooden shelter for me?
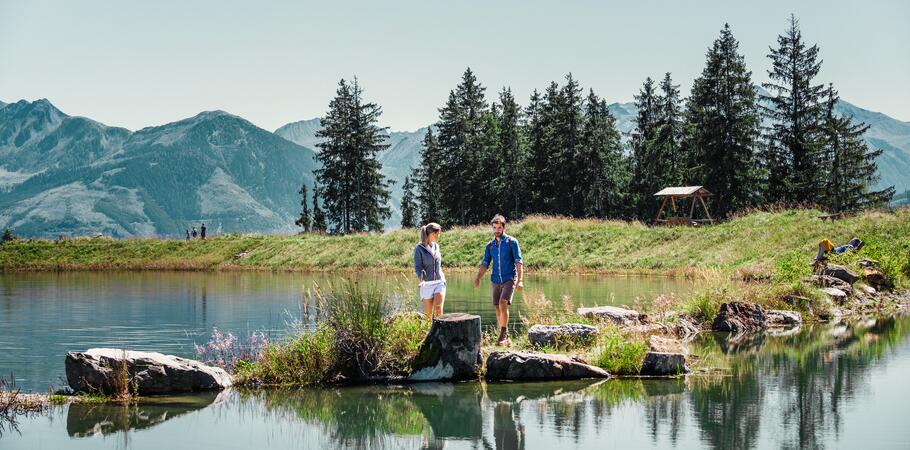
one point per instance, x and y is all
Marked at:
(695, 194)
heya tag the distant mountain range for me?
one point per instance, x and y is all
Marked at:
(63, 175)
(68, 175)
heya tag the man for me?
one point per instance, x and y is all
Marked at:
(202, 230)
(504, 252)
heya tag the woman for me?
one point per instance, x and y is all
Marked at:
(428, 267)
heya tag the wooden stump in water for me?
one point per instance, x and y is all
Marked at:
(451, 350)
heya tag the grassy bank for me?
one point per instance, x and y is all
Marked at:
(761, 243)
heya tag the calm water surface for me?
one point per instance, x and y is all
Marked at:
(840, 385)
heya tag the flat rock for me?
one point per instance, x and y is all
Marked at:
(739, 317)
(782, 318)
(615, 314)
(539, 366)
(148, 373)
(663, 364)
(829, 281)
(561, 335)
(876, 278)
(836, 294)
(841, 272)
(451, 350)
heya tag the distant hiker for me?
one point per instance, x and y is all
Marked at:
(428, 267)
(826, 246)
(187, 234)
(507, 273)
(202, 232)
(194, 232)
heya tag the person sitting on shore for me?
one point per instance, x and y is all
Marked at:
(428, 267)
(826, 246)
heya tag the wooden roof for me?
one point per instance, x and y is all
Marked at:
(682, 191)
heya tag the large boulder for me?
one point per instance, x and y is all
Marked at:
(663, 364)
(561, 335)
(877, 279)
(739, 317)
(840, 272)
(615, 314)
(451, 350)
(782, 318)
(104, 370)
(539, 366)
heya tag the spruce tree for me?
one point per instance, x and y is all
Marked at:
(304, 220)
(602, 178)
(667, 140)
(539, 181)
(510, 181)
(645, 161)
(851, 170)
(462, 122)
(356, 193)
(426, 177)
(408, 205)
(319, 223)
(564, 161)
(7, 235)
(722, 128)
(794, 109)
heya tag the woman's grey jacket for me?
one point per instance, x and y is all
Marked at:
(428, 263)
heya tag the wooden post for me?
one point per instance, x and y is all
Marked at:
(702, 200)
(662, 205)
(692, 210)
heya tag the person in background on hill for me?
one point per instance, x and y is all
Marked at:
(428, 267)
(187, 234)
(194, 232)
(202, 232)
(826, 246)
(507, 273)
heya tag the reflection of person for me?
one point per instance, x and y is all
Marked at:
(506, 274)
(508, 433)
(428, 267)
(826, 246)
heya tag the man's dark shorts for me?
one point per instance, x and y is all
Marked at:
(503, 292)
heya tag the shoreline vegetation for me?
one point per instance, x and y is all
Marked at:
(763, 244)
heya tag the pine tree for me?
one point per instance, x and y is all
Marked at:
(7, 235)
(319, 223)
(602, 179)
(851, 168)
(645, 161)
(722, 128)
(564, 161)
(356, 193)
(408, 205)
(510, 181)
(426, 177)
(795, 110)
(667, 145)
(304, 220)
(462, 122)
(539, 182)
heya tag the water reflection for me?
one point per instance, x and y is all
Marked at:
(825, 386)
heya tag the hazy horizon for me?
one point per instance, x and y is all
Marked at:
(139, 65)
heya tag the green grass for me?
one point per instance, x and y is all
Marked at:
(775, 244)
(362, 336)
(619, 353)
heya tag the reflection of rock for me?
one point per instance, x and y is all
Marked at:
(84, 420)
(731, 343)
(540, 390)
(451, 350)
(662, 364)
(539, 366)
(453, 411)
(783, 318)
(619, 316)
(661, 387)
(149, 373)
(561, 335)
(739, 317)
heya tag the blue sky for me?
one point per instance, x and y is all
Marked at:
(137, 64)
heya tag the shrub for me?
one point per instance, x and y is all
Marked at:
(618, 353)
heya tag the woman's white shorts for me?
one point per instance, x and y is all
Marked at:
(431, 288)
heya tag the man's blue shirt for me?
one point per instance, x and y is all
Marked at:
(504, 254)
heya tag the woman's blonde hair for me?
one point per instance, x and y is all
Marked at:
(427, 230)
